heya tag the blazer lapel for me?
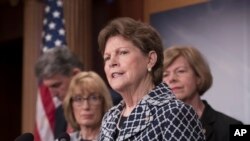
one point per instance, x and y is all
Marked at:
(142, 115)
(138, 120)
(109, 127)
(208, 118)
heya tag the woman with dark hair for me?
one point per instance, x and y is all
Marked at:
(133, 63)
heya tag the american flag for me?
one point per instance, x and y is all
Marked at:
(53, 35)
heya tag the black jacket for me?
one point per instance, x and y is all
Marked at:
(60, 122)
(216, 124)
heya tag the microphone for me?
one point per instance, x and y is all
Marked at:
(25, 137)
(63, 137)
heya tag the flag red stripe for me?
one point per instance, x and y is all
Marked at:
(48, 105)
(36, 134)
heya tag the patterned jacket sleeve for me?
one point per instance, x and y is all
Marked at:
(183, 125)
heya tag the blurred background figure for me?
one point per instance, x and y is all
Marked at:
(188, 74)
(85, 104)
(55, 69)
(133, 63)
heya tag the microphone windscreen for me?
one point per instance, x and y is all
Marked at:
(25, 137)
(64, 137)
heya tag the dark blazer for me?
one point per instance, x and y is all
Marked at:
(216, 124)
(159, 116)
(60, 122)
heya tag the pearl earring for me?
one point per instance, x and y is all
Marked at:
(149, 69)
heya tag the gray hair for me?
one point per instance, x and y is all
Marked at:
(58, 60)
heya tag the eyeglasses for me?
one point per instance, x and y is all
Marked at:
(92, 100)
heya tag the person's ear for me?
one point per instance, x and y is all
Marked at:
(152, 57)
(75, 71)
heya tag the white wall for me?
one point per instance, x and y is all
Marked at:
(220, 29)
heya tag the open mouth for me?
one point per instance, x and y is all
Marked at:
(116, 74)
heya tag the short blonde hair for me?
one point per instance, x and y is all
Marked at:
(88, 82)
(195, 59)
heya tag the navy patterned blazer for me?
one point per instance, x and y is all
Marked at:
(159, 116)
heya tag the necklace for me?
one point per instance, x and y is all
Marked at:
(119, 120)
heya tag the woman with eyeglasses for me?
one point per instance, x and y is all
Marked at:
(85, 104)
